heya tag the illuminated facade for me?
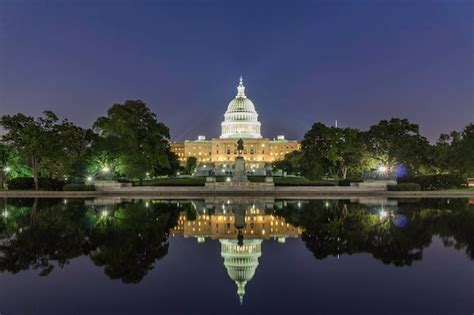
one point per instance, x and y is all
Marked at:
(240, 121)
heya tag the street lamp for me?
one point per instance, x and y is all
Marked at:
(382, 169)
(383, 214)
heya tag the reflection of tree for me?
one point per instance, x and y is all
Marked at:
(397, 238)
(51, 233)
(452, 219)
(129, 240)
(43, 233)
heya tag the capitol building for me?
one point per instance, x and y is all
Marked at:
(240, 122)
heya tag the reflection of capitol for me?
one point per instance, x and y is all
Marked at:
(224, 218)
(241, 261)
(240, 226)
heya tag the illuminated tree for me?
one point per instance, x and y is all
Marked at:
(137, 139)
(398, 142)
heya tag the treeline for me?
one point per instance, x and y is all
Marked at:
(128, 142)
(390, 149)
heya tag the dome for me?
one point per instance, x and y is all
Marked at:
(241, 105)
(241, 118)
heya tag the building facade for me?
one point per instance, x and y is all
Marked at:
(240, 122)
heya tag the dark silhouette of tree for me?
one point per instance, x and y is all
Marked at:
(50, 234)
(342, 227)
(129, 240)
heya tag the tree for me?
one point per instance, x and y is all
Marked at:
(291, 163)
(139, 140)
(52, 147)
(332, 152)
(398, 142)
(5, 153)
(76, 145)
(34, 139)
(191, 163)
(455, 151)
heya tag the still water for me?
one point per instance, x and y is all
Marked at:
(236, 255)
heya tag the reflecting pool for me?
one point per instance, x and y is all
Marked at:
(236, 255)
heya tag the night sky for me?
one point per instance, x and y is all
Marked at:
(354, 61)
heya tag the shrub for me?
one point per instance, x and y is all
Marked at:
(298, 181)
(256, 179)
(21, 183)
(171, 181)
(125, 181)
(78, 187)
(347, 182)
(435, 182)
(404, 187)
(27, 183)
(51, 184)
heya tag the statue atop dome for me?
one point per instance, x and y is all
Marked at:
(241, 88)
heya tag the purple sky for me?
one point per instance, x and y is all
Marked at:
(354, 61)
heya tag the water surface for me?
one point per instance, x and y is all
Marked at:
(236, 255)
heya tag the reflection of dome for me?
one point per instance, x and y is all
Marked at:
(241, 261)
(241, 119)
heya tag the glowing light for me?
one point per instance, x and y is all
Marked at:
(147, 174)
(89, 178)
(147, 204)
(5, 214)
(105, 169)
(326, 204)
(104, 213)
(382, 169)
(7, 169)
(227, 179)
(383, 214)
